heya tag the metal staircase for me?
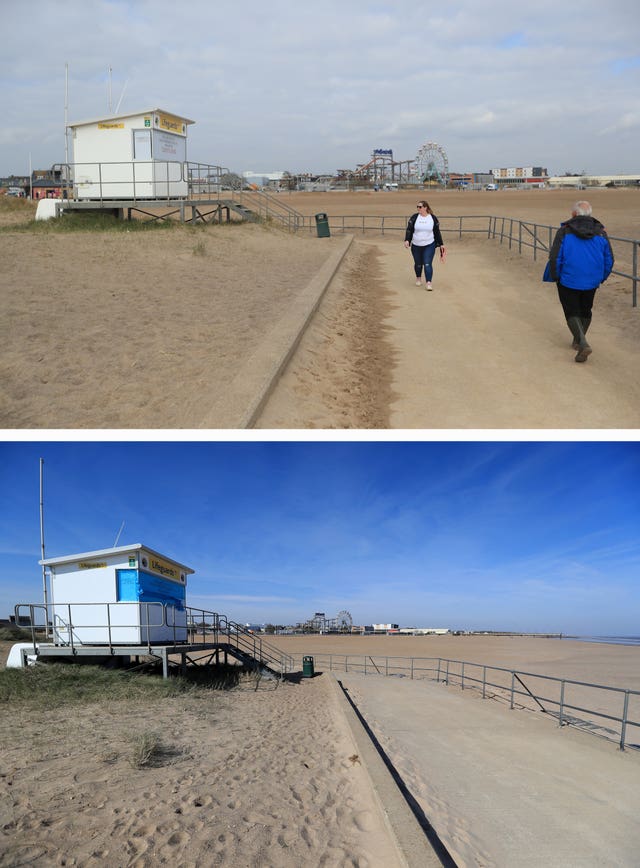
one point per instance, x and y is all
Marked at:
(242, 210)
(230, 638)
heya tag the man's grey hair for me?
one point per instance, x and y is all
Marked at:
(582, 209)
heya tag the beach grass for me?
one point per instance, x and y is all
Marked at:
(14, 634)
(90, 221)
(55, 684)
(146, 747)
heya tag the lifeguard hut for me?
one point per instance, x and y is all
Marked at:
(139, 155)
(128, 595)
(129, 602)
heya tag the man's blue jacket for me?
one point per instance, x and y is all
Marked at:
(581, 256)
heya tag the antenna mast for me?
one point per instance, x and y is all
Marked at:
(44, 569)
(66, 113)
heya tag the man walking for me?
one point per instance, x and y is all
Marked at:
(580, 260)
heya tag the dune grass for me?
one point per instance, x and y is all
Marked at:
(49, 685)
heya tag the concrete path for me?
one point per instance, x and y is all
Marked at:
(489, 348)
(505, 788)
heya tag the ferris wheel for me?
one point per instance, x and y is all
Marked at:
(432, 164)
(344, 621)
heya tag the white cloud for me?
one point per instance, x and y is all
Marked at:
(322, 86)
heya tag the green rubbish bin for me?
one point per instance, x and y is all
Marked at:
(307, 667)
(322, 225)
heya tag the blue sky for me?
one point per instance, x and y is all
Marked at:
(523, 536)
(318, 86)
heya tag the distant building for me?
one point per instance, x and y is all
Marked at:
(580, 181)
(522, 175)
(47, 184)
(15, 185)
(424, 631)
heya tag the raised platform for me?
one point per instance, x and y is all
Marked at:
(163, 653)
(206, 210)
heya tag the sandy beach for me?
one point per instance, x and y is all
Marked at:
(271, 777)
(248, 777)
(147, 330)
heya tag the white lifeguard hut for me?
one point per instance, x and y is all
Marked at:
(138, 155)
(128, 595)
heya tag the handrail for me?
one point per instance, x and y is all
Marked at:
(240, 638)
(66, 632)
(440, 669)
(185, 180)
(520, 234)
(184, 623)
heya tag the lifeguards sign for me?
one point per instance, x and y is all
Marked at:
(171, 124)
(161, 567)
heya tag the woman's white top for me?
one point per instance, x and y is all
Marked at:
(423, 231)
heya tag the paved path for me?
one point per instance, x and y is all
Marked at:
(489, 348)
(505, 788)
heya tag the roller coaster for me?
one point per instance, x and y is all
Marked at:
(430, 166)
(342, 623)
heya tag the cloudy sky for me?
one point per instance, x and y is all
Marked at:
(317, 86)
(515, 536)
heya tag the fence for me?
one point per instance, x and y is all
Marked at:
(561, 698)
(519, 235)
(144, 624)
(187, 182)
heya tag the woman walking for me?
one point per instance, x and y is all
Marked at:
(423, 236)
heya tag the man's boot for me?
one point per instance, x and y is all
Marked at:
(585, 328)
(580, 341)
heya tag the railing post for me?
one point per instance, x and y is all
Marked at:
(484, 682)
(446, 677)
(625, 712)
(365, 664)
(70, 626)
(634, 296)
(109, 628)
(462, 677)
(412, 668)
(561, 714)
(438, 676)
(513, 687)
(386, 662)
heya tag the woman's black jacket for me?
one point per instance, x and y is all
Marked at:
(436, 229)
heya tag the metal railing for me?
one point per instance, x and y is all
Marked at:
(561, 698)
(212, 627)
(71, 625)
(175, 181)
(522, 235)
(164, 180)
(268, 207)
(104, 624)
(518, 235)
